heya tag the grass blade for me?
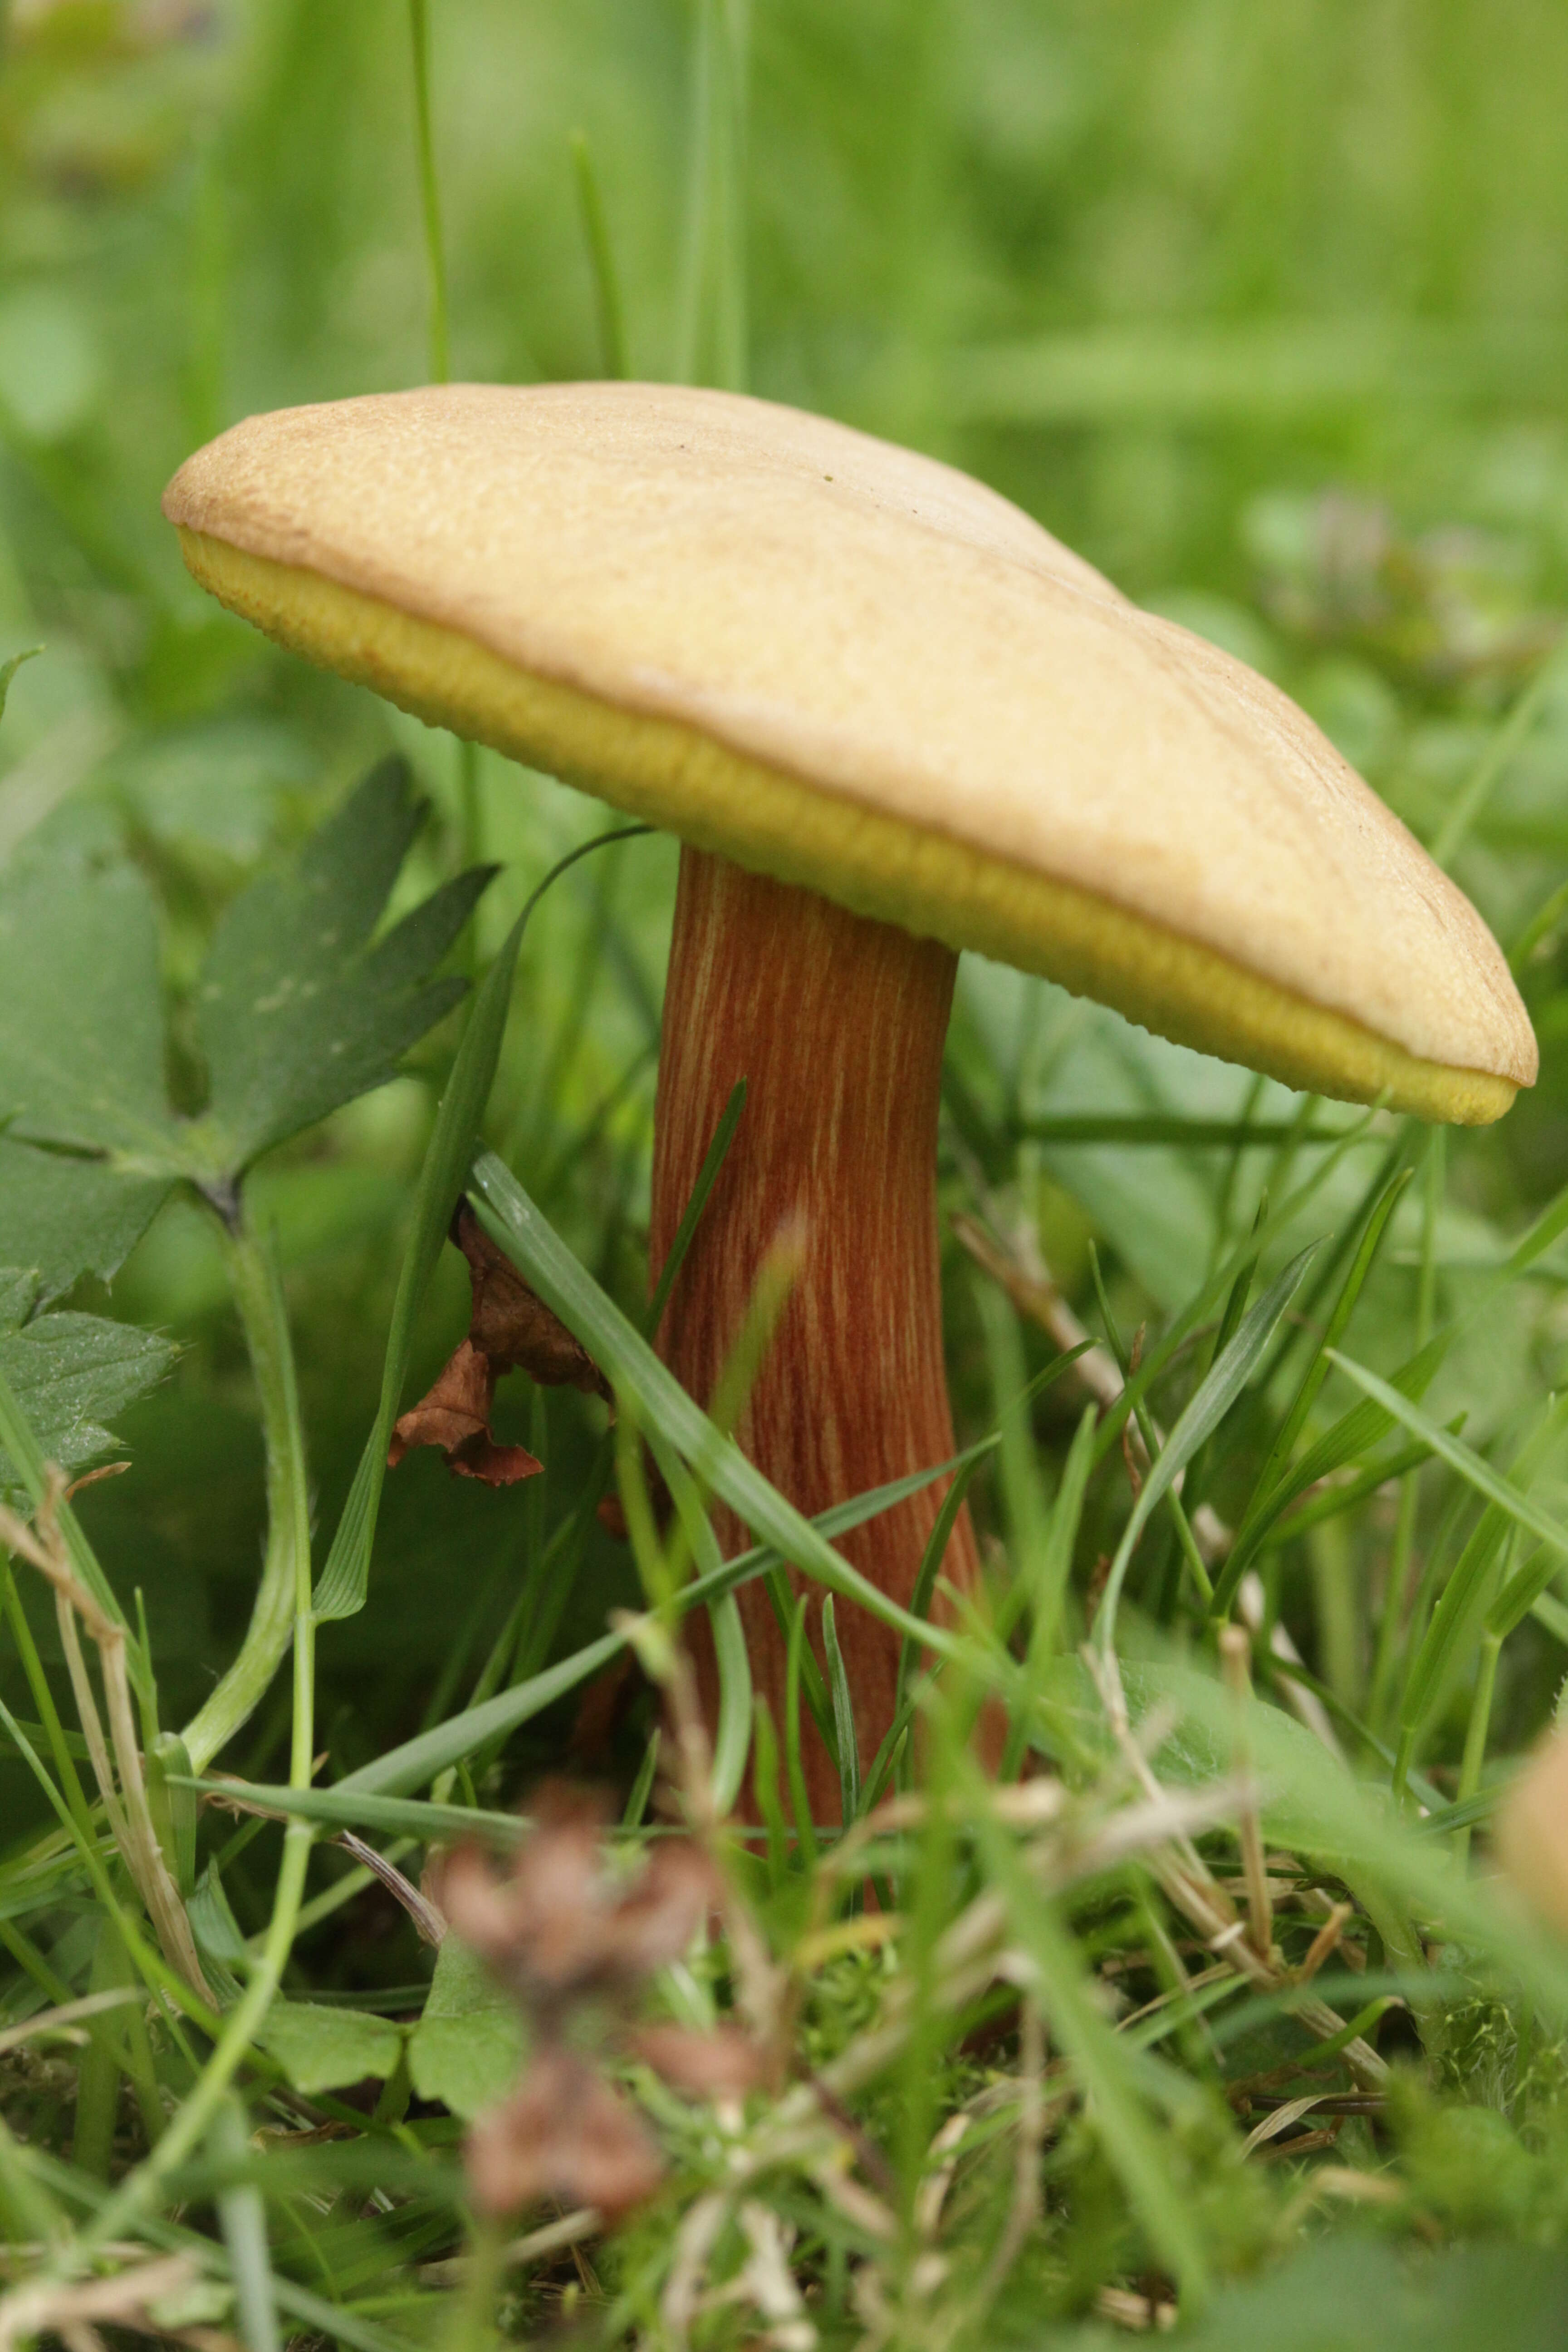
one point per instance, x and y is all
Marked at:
(1103, 2066)
(341, 1591)
(600, 260)
(1459, 1457)
(733, 1739)
(842, 1717)
(1317, 1369)
(706, 1177)
(1202, 1414)
(1350, 1437)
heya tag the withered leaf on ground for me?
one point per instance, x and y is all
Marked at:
(563, 2132)
(560, 1923)
(510, 1329)
(574, 1938)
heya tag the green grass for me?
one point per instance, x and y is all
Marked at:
(1261, 309)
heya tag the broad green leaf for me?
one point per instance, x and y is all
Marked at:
(297, 1010)
(71, 1375)
(65, 1216)
(1358, 2294)
(324, 2049)
(468, 2047)
(81, 1012)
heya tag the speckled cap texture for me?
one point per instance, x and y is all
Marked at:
(860, 670)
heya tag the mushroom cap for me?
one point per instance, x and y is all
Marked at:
(1531, 1832)
(857, 669)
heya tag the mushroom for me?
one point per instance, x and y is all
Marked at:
(889, 718)
(1531, 1832)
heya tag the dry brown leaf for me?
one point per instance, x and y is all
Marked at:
(510, 1329)
(722, 2064)
(563, 2132)
(512, 1326)
(455, 1416)
(560, 1924)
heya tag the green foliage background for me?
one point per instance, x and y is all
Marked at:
(1262, 308)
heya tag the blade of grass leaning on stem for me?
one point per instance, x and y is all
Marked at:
(551, 1571)
(517, 1223)
(842, 1717)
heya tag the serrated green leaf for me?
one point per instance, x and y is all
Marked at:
(298, 1012)
(468, 2047)
(81, 1014)
(65, 1216)
(70, 1374)
(327, 2049)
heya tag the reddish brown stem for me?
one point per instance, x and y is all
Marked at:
(836, 1024)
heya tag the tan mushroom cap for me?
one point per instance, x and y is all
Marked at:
(855, 668)
(1531, 1832)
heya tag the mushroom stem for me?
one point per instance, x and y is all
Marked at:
(836, 1024)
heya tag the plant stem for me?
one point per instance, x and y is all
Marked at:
(255, 1277)
(138, 2191)
(42, 1699)
(1476, 1734)
(430, 193)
